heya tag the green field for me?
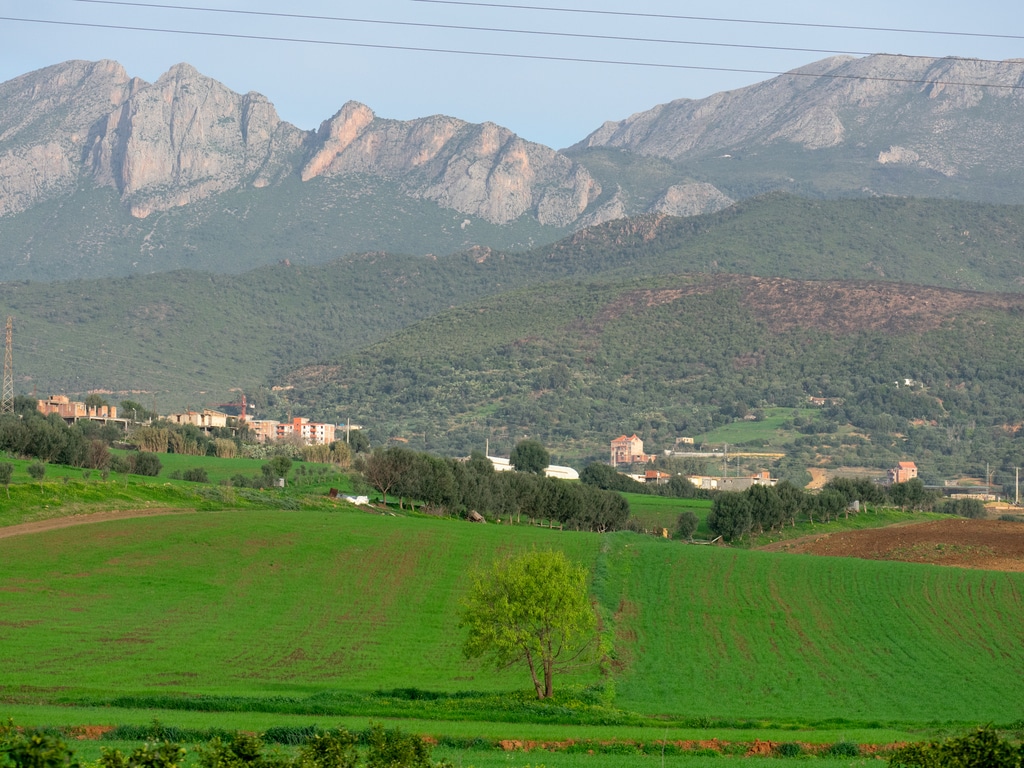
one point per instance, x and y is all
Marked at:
(258, 603)
(234, 615)
(770, 429)
(655, 512)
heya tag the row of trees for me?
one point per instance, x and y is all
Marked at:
(763, 508)
(29, 433)
(457, 487)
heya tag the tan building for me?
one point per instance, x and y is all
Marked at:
(628, 450)
(264, 430)
(73, 410)
(902, 472)
(311, 433)
(205, 419)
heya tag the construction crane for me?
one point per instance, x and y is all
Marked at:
(243, 412)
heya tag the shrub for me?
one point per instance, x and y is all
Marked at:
(196, 475)
(789, 749)
(34, 749)
(333, 749)
(391, 748)
(37, 470)
(970, 508)
(147, 464)
(983, 747)
(686, 525)
(163, 755)
(843, 749)
(6, 472)
(120, 464)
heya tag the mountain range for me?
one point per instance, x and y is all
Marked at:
(105, 174)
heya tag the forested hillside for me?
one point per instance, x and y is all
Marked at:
(912, 371)
(190, 335)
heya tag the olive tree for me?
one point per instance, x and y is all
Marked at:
(6, 472)
(531, 609)
(529, 456)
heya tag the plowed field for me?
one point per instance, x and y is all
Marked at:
(993, 545)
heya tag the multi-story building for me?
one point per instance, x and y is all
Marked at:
(628, 450)
(902, 472)
(205, 419)
(73, 410)
(309, 432)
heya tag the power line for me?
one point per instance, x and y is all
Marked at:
(465, 28)
(725, 20)
(520, 56)
(503, 30)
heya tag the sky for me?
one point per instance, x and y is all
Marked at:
(550, 70)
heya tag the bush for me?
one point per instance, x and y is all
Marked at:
(789, 749)
(686, 525)
(34, 749)
(147, 464)
(163, 755)
(391, 748)
(983, 747)
(37, 470)
(333, 749)
(843, 749)
(196, 475)
(970, 508)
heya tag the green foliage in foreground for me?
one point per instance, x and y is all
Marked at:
(980, 749)
(385, 748)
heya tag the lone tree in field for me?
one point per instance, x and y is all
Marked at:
(529, 456)
(532, 608)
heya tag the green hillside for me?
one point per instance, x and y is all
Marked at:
(91, 235)
(190, 335)
(576, 364)
(261, 603)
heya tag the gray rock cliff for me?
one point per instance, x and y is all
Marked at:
(933, 113)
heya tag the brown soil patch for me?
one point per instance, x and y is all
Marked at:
(39, 526)
(993, 545)
(89, 732)
(818, 478)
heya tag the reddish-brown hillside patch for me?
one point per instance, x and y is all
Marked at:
(994, 545)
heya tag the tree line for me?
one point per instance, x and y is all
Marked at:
(459, 487)
(763, 508)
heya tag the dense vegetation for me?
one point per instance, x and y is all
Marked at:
(91, 235)
(190, 336)
(905, 373)
(457, 488)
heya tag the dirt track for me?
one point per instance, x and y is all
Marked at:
(993, 545)
(97, 517)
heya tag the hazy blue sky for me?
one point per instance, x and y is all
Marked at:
(553, 102)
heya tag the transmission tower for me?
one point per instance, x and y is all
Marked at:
(7, 403)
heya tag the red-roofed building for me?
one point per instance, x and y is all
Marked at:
(905, 470)
(628, 450)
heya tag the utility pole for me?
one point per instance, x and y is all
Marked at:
(7, 401)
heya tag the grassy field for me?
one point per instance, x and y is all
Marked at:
(769, 429)
(259, 603)
(68, 491)
(240, 616)
(655, 512)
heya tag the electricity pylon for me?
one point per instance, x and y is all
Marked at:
(7, 402)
